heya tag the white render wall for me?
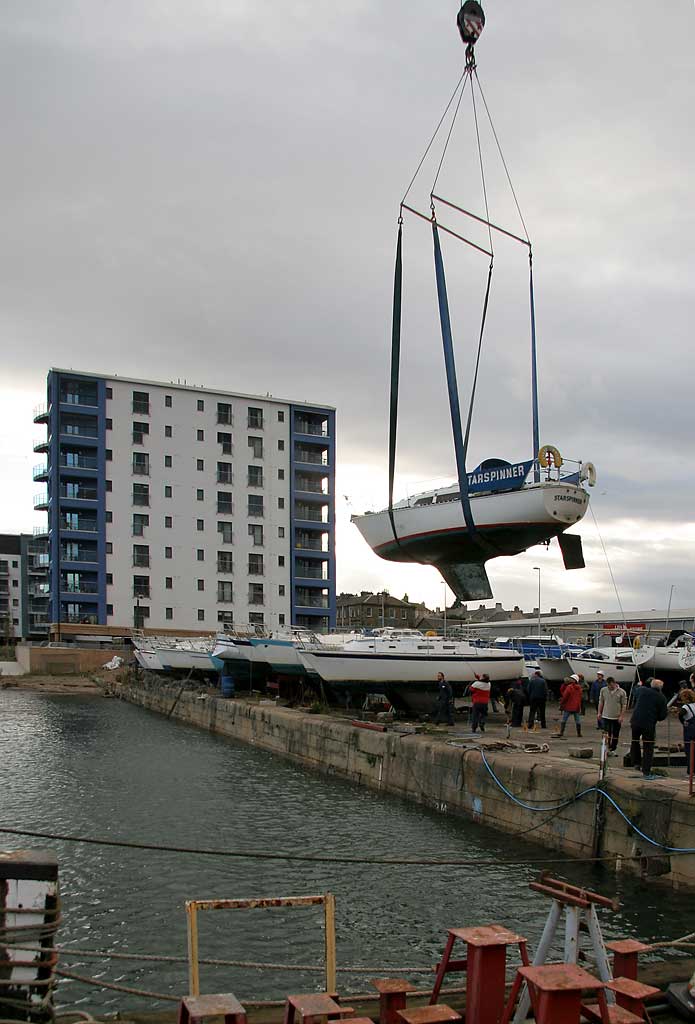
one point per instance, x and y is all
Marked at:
(185, 509)
(14, 583)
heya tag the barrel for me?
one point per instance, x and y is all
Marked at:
(227, 686)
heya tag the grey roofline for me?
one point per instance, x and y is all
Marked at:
(191, 387)
(586, 618)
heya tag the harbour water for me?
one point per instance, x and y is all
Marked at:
(103, 768)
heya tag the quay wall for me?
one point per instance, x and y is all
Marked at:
(454, 780)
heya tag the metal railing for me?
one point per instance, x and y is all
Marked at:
(225, 418)
(79, 587)
(225, 567)
(311, 458)
(75, 398)
(39, 472)
(82, 525)
(84, 618)
(141, 561)
(41, 412)
(310, 573)
(255, 423)
(42, 444)
(310, 514)
(225, 508)
(258, 513)
(82, 494)
(41, 531)
(254, 480)
(224, 477)
(306, 427)
(78, 430)
(79, 556)
(40, 500)
(310, 486)
(78, 461)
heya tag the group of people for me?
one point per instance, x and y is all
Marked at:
(607, 697)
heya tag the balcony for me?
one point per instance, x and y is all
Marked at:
(42, 447)
(313, 427)
(310, 514)
(41, 502)
(78, 555)
(310, 485)
(73, 461)
(79, 587)
(311, 572)
(312, 601)
(42, 413)
(311, 542)
(72, 429)
(40, 473)
(80, 397)
(79, 493)
(79, 525)
(141, 592)
(41, 531)
(38, 620)
(310, 457)
(39, 591)
(84, 618)
(41, 563)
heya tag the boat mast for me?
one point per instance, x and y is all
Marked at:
(534, 376)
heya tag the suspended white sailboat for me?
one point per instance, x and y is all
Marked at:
(492, 511)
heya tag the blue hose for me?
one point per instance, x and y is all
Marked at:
(574, 799)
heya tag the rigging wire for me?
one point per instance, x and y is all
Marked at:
(466, 78)
(434, 136)
(610, 569)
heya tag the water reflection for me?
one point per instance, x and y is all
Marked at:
(98, 767)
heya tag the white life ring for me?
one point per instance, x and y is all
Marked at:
(588, 473)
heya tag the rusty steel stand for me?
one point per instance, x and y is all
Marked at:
(578, 906)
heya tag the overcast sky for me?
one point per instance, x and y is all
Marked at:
(209, 191)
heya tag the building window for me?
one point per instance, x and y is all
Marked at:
(281, 446)
(225, 529)
(281, 474)
(281, 416)
(108, 455)
(201, 584)
(281, 502)
(225, 592)
(255, 506)
(201, 405)
(168, 432)
(109, 424)
(224, 473)
(281, 619)
(200, 554)
(141, 494)
(201, 615)
(255, 420)
(168, 553)
(255, 565)
(167, 491)
(168, 522)
(200, 435)
(141, 463)
(108, 516)
(256, 534)
(109, 547)
(200, 525)
(226, 441)
(255, 476)
(141, 586)
(109, 392)
(167, 401)
(139, 523)
(256, 446)
(200, 465)
(226, 618)
(109, 485)
(169, 583)
(167, 462)
(109, 579)
(281, 590)
(169, 613)
(368, 612)
(141, 403)
(109, 609)
(224, 561)
(141, 555)
(224, 413)
(281, 561)
(256, 618)
(200, 494)
(224, 503)
(281, 532)
(256, 593)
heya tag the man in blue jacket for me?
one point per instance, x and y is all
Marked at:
(650, 708)
(537, 696)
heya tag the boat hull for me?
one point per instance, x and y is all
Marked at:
(622, 672)
(506, 523)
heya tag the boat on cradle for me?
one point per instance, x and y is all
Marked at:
(539, 646)
(404, 668)
(273, 653)
(609, 660)
(166, 654)
(670, 657)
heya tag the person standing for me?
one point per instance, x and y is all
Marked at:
(516, 699)
(480, 695)
(537, 696)
(686, 716)
(612, 703)
(596, 687)
(650, 708)
(445, 699)
(570, 704)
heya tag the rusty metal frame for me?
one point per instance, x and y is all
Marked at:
(327, 900)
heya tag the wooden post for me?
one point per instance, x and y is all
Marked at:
(193, 973)
(329, 929)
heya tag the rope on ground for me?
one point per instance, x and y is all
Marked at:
(97, 954)
(323, 859)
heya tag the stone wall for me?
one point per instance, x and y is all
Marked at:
(61, 661)
(455, 781)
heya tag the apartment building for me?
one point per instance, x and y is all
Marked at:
(177, 507)
(23, 586)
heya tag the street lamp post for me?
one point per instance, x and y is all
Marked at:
(445, 610)
(537, 569)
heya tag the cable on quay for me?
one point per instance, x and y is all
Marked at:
(579, 796)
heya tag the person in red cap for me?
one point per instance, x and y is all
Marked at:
(570, 704)
(480, 696)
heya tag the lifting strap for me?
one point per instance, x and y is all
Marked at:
(395, 368)
(452, 386)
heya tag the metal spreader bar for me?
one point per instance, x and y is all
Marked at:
(441, 227)
(482, 220)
